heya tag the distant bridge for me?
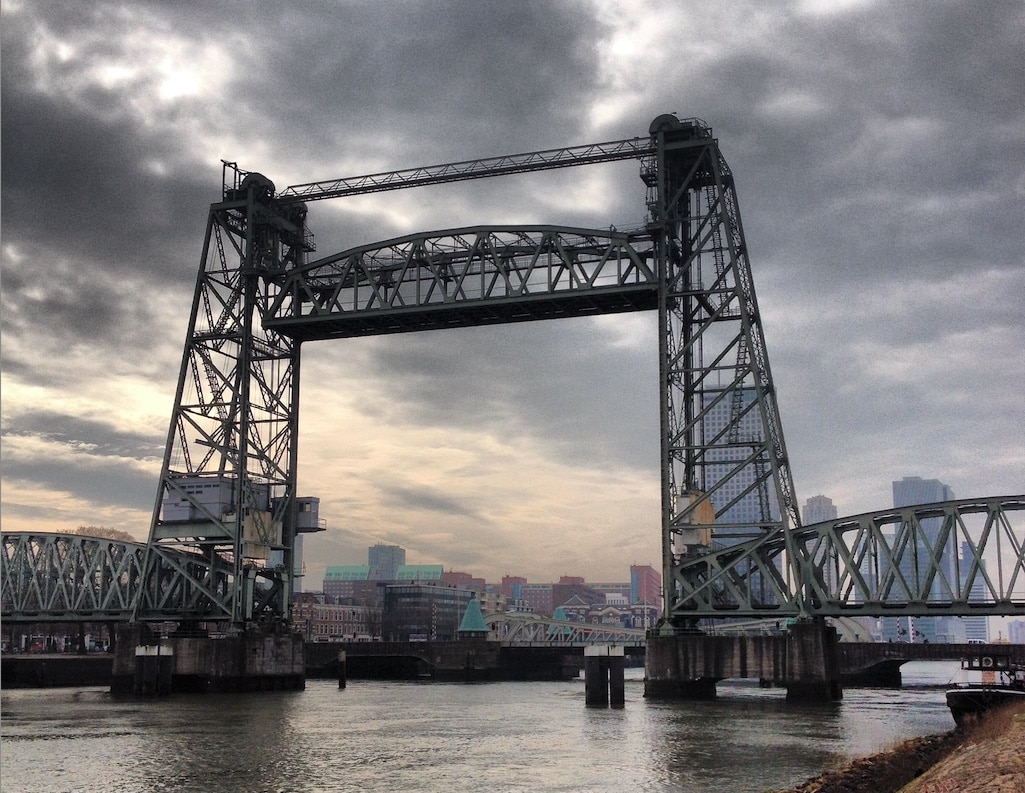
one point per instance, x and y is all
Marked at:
(535, 630)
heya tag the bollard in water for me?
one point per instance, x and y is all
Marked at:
(341, 668)
(617, 687)
(596, 678)
(154, 667)
(604, 678)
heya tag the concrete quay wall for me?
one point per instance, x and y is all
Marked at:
(54, 670)
(464, 659)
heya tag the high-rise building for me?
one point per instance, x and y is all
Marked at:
(976, 629)
(818, 509)
(645, 585)
(384, 561)
(911, 491)
(737, 500)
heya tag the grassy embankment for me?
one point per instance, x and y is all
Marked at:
(985, 755)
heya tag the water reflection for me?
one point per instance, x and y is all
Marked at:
(406, 736)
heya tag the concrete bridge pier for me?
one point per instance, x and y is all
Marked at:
(812, 663)
(804, 660)
(145, 663)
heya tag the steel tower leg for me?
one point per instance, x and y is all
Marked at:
(725, 472)
(226, 496)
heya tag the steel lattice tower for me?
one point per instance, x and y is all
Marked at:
(227, 486)
(721, 435)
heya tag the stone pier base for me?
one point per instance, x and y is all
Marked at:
(804, 660)
(247, 662)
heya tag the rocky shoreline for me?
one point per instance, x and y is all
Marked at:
(984, 757)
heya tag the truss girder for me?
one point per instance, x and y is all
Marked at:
(519, 629)
(469, 276)
(49, 577)
(956, 558)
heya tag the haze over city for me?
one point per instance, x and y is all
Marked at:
(878, 150)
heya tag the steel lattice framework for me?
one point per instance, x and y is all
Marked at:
(49, 577)
(955, 558)
(473, 276)
(959, 558)
(731, 534)
(227, 485)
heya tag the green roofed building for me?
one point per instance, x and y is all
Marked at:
(340, 581)
(419, 573)
(472, 626)
(347, 572)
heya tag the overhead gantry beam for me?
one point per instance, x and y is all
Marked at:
(547, 160)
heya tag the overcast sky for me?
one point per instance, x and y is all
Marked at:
(879, 154)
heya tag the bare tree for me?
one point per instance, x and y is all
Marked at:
(106, 533)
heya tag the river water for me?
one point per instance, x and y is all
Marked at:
(432, 737)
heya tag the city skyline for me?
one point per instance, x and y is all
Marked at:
(877, 152)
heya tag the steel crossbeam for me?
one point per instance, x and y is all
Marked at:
(590, 154)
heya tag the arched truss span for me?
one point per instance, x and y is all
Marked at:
(955, 558)
(468, 276)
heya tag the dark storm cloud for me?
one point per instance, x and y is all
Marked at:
(423, 498)
(877, 148)
(86, 435)
(76, 184)
(106, 483)
(439, 81)
(881, 136)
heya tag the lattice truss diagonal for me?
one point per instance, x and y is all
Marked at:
(533, 630)
(49, 577)
(60, 577)
(957, 558)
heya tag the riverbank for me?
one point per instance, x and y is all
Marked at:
(983, 757)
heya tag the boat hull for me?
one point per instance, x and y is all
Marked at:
(969, 702)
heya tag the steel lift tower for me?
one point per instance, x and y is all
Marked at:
(227, 494)
(227, 511)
